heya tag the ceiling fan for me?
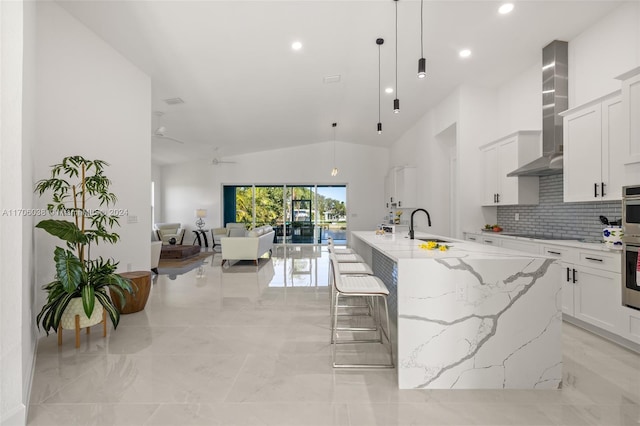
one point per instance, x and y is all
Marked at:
(216, 161)
(161, 131)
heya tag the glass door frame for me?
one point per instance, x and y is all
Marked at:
(286, 228)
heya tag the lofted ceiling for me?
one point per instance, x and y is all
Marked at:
(246, 90)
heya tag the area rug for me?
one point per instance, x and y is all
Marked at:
(181, 266)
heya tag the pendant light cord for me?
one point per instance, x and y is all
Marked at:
(421, 30)
(379, 86)
(396, 2)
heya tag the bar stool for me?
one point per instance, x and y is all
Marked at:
(333, 249)
(369, 287)
(346, 268)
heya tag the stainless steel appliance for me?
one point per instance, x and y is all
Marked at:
(631, 246)
(631, 210)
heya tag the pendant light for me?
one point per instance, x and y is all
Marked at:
(379, 42)
(396, 101)
(334, 171)
(422, 63)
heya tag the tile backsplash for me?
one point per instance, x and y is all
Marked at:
(554, 217)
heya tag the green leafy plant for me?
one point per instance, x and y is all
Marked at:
(75, 184)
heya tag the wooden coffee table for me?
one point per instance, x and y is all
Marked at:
(178, 251)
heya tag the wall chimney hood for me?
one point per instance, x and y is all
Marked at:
(555, 90)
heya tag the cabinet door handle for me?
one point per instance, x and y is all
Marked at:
(593, 258)
(595, 190)
(568, 272)
(488, 242)
(472, 239)
(494, 198)
(602, 186)
(554, 252)
(399, 203)
(498, 197)
(391, 199)
(574, 276)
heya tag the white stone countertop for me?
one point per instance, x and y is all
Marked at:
(564, 243)
(399, 246)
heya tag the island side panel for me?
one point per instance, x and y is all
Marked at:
(479, 324)
(386, 269)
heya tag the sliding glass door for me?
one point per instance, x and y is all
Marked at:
(332, 212)
(300, 214)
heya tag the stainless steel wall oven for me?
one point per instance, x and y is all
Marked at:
(631, 246)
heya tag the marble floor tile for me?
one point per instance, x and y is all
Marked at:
(240, 345)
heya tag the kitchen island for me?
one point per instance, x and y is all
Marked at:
(471, 317)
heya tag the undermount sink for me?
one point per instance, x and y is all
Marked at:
(435, 240)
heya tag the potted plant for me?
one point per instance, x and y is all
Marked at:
(76, 185)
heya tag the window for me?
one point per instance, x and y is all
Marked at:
(300, 214)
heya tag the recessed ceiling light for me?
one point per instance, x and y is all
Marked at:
(388, 90)
(505, 8)
(464, 53)
(296, 45)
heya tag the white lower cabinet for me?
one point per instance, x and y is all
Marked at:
(597, 297)
(630, 324)
(591, 283)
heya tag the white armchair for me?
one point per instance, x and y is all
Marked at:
(166, 231)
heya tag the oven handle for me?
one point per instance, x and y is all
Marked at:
(631, 201)
(634, 249)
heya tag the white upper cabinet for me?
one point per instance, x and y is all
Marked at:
(594, 150)
(503, 156)
(631, 114)
(400, 186)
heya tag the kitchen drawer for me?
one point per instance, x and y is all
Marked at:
(607, 261)
(526, 246)
(491, 241)
(565, 254)
(476, 238)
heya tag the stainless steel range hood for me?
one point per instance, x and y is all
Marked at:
(555, 90)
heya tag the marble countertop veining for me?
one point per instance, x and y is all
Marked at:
(399, 246)
(575, 243)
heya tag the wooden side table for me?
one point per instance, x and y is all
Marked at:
(135, 302)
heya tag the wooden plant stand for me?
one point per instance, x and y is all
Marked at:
(104, 329)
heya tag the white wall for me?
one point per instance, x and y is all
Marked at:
(156, 178)
(93, 102)
(477, 126)
(15, 339)
(199, 184)
(603, 52)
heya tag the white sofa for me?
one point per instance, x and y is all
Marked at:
(253, 245)
(233, 229)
